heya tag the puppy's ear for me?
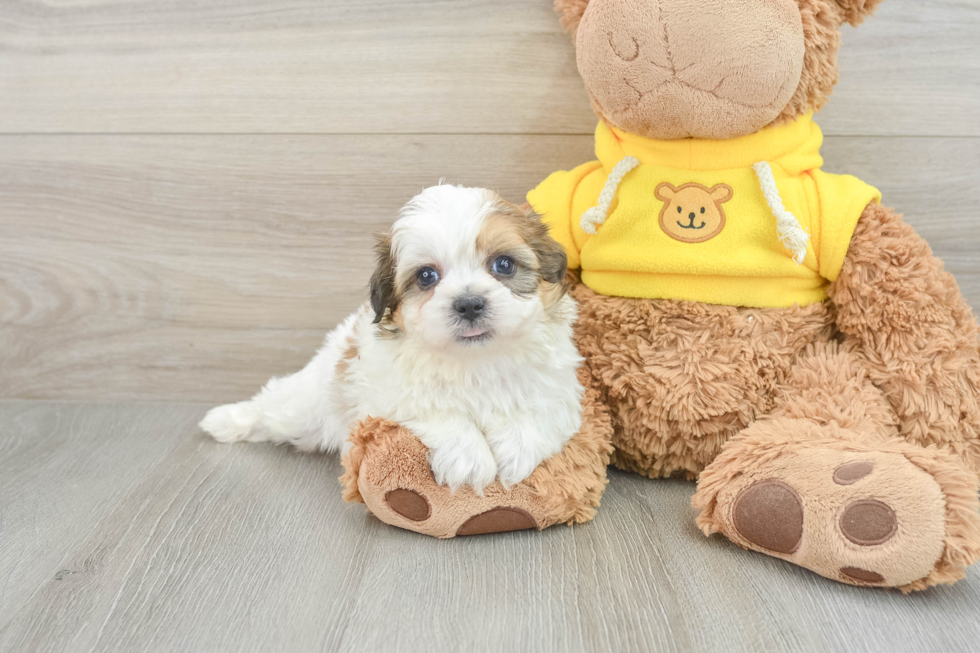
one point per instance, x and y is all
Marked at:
(570, 13)
(552, 261)
(383, 295)
(855, 11)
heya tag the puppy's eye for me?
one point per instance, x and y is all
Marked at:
(426, 277)
(702, 209)
(504, 266)
(679, 209)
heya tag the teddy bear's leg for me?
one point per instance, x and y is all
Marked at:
(914, 332)
(387, 469)
(826, 482)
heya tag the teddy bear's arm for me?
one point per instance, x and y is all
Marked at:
(907, 318)
(562, 198)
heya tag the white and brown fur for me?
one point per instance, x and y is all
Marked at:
(490, 398)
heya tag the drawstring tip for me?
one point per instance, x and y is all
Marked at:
(788, 229)
(598, 213)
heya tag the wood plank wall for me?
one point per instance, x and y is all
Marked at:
(188, 190)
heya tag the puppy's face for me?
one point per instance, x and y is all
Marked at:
(463, 268)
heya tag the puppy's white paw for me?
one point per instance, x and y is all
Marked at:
(231, 422)
(459, 462)
(518, 449)
(514, 470)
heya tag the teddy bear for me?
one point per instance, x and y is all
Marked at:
(752, 322)
(748, 321)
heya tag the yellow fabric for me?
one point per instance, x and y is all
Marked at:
(745, 264)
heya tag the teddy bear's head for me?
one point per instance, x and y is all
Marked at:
(716, 69)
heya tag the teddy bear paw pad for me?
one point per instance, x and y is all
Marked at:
(497, 520)
(850, 473)
(770, 514)
(409, 504)
(862, 575)
(868, 522)
(870, 518)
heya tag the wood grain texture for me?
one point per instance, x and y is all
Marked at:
(125, 529)
(196, 267)
(426, 66)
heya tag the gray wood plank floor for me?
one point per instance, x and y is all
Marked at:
(122, 528)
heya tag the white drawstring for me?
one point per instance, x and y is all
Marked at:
(789, 230)
(598, 213)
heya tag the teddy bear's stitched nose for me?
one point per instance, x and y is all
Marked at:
(691, 215)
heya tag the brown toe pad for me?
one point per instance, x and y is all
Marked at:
(409, 504)
(769, 514)
(851, 473)
(868, 522)
(497, 520)
(863, 575)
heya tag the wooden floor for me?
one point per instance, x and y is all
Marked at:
(124, 529)
(188, 192)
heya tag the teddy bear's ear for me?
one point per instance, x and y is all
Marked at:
(855, 11)
(664, 192)
(570, 13)
(721, 193)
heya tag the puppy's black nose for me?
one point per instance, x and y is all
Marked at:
(692, 216)
(470, 307)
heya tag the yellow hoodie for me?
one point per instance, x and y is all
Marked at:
(751, 221)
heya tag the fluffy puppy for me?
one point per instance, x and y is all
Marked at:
(467, 341)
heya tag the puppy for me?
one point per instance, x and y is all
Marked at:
(466, 341)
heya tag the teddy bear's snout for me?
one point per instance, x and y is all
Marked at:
(650, 73)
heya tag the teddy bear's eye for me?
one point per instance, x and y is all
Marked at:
(702, 209)
(679, 209)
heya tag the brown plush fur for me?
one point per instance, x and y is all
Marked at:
(822, 20)
(570, 13)
(914, 332)
(565, 489)
(887, 369)
(821, 33)
(855, 11)
(758, 448)
(829, 402)
(891, 362)
(682, 378)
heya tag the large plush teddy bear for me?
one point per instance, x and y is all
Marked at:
(752, 321)
(748, 320)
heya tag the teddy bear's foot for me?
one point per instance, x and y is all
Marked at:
(393, 479)
(877, 513)
(387, 469)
